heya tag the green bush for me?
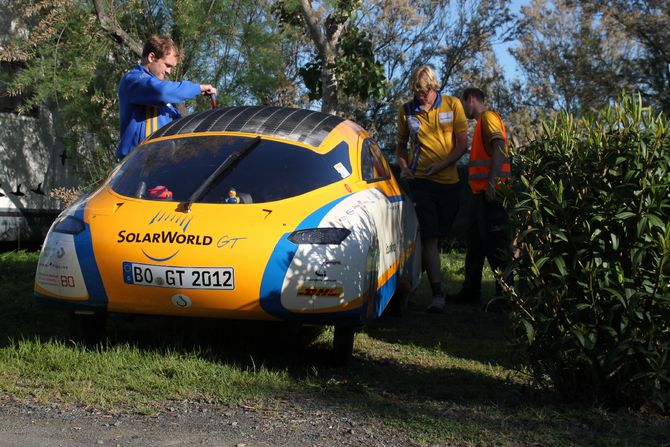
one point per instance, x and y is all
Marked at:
(591, 305)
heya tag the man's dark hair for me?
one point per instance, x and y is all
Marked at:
(473, 91)
(160, 46)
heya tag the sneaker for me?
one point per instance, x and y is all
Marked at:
(437, 305)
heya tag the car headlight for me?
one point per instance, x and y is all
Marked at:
(319, 236)
(69, 225)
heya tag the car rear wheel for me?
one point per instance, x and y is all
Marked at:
(88, 328)
(343, 344)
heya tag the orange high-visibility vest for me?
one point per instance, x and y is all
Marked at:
(480, 162)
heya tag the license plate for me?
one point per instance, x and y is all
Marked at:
(219, 278)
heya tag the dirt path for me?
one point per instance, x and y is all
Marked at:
(271, 423)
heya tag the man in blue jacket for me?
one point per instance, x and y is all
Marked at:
(146, 99)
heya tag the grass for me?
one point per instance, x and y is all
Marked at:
(437, 378)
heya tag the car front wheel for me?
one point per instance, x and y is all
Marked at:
(89, 328)
(343, 344)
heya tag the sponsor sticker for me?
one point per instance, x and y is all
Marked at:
(414, 124)
(181, 301)
(343, 171)
(446, 117)
(163, 237)
(320, 291)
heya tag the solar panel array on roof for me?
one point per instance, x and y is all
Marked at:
(304, 126)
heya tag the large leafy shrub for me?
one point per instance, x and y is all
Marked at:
(591, 305)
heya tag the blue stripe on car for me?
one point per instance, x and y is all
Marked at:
(89, 268)
(385, 293)
(398, 198)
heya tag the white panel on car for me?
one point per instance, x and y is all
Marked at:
(58, 271)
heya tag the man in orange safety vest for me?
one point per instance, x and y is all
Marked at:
(489, 169)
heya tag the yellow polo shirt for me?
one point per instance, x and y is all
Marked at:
(431, 135)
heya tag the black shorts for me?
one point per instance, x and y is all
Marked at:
(436, 206)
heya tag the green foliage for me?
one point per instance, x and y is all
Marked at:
(592, 303)
(69, 68)
(359, 74)
(578, 56)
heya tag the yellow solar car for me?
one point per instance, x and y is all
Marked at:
(262, 213)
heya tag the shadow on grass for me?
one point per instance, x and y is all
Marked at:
(280, 346)
(462, 331)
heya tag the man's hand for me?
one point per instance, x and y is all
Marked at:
(207, 89)
(491, 193)
(460, 148)
(434, 168)
(498, 158)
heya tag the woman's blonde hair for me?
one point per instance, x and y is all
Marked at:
(424, 80)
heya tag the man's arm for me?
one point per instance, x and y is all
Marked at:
(492, 132)
(460, 148)
(146, 90)
(401, 147)
(497, 160)
(401, 155)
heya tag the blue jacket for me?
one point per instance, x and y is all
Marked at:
(145, 104)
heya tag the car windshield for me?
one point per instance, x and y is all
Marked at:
(174, 169)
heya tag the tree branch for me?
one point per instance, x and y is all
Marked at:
(313, 27)
(115, 31)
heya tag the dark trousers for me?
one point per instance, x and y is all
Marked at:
(488, 237)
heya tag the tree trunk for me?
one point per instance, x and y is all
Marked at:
(325, 34)
(329, 86)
